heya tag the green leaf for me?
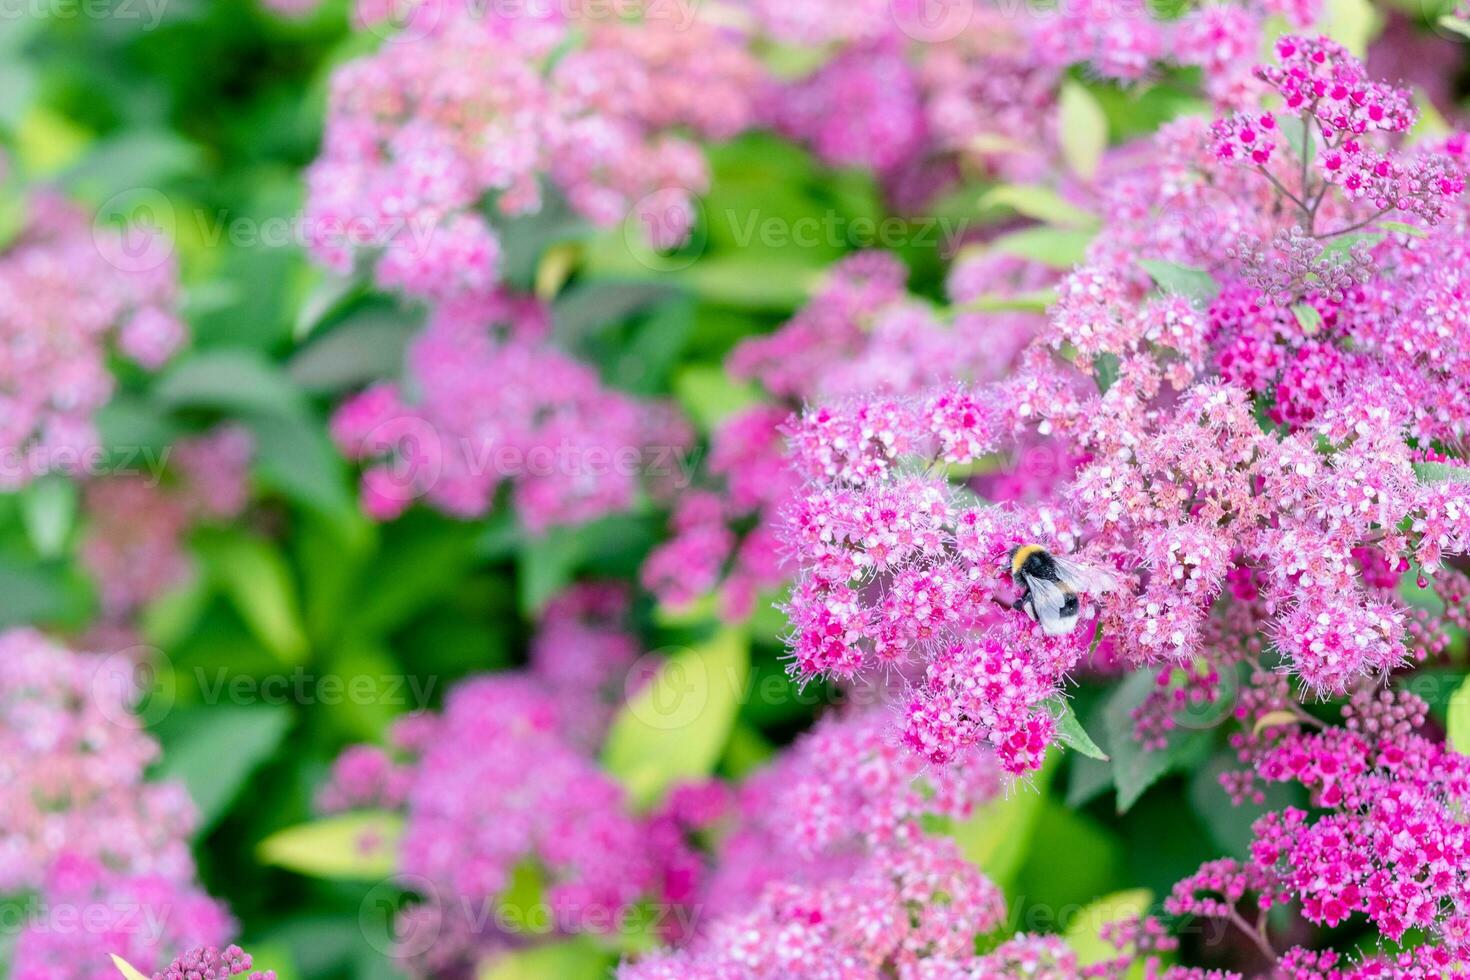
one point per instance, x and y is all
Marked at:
(1084, 934)
(30, 595)
(676, 728)
(1403, 227)
(229, 380)
(1084, 129)
(365, 347)
(1441, 473)
(1229, 825)
(1295, 130)
(1352, 23)
(126, 969)
(1067, 877)
(326, 293)
(585, 309)
(354, 846)
(1189, 282)
(1071, 732)
(1039, 203)
(214, 749)
(1307, 318)
(252, 573)
(294, 456)
(570, 959)
(1135, 768)
(997, 837)
(1339, 247)
(1459, 720)
(18, 83)
(711, 396)
(750, 283)
(1036, 301)
(1060, 248)
(1456, 24)
(48, 508)
(545, 565)
(522, 904)
(131, 160)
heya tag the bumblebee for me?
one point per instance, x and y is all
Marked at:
(1050, 586)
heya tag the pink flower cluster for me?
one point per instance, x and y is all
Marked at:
(1338, 112)
(93, 912)
(209, 963)
(433, 144)
(583, 653)
(74, 760)
(490, 786)
(134, 543)
(496, 404)
(1387, 841)
(105, 850)
(69, 294)
(1178, 483)
(895, 910)
(861, 332)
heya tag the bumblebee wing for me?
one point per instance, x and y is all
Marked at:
(1055, 606)
(1085, 578)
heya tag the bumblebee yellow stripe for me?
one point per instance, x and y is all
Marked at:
(1022, 553)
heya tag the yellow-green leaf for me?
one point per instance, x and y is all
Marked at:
(257, 580)
(1040, 203)
(354, 846)
(1456, 24)
(1352, 23)
(710, 395)
(1308, 318)
(1060, 248)
(1084, 933)
(555, 268)
(1274, 719)
(1084, 129)
(677, 726)
(126, 969)
(996, 838)
(573, 959)
(1459, 719)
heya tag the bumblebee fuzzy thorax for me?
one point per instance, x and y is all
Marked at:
(1030, 559)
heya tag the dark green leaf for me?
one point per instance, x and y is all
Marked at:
(214, 749)
(1191, 283)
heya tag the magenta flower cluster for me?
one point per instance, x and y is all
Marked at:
(105, 850)
(496, 404)
(70, 294)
